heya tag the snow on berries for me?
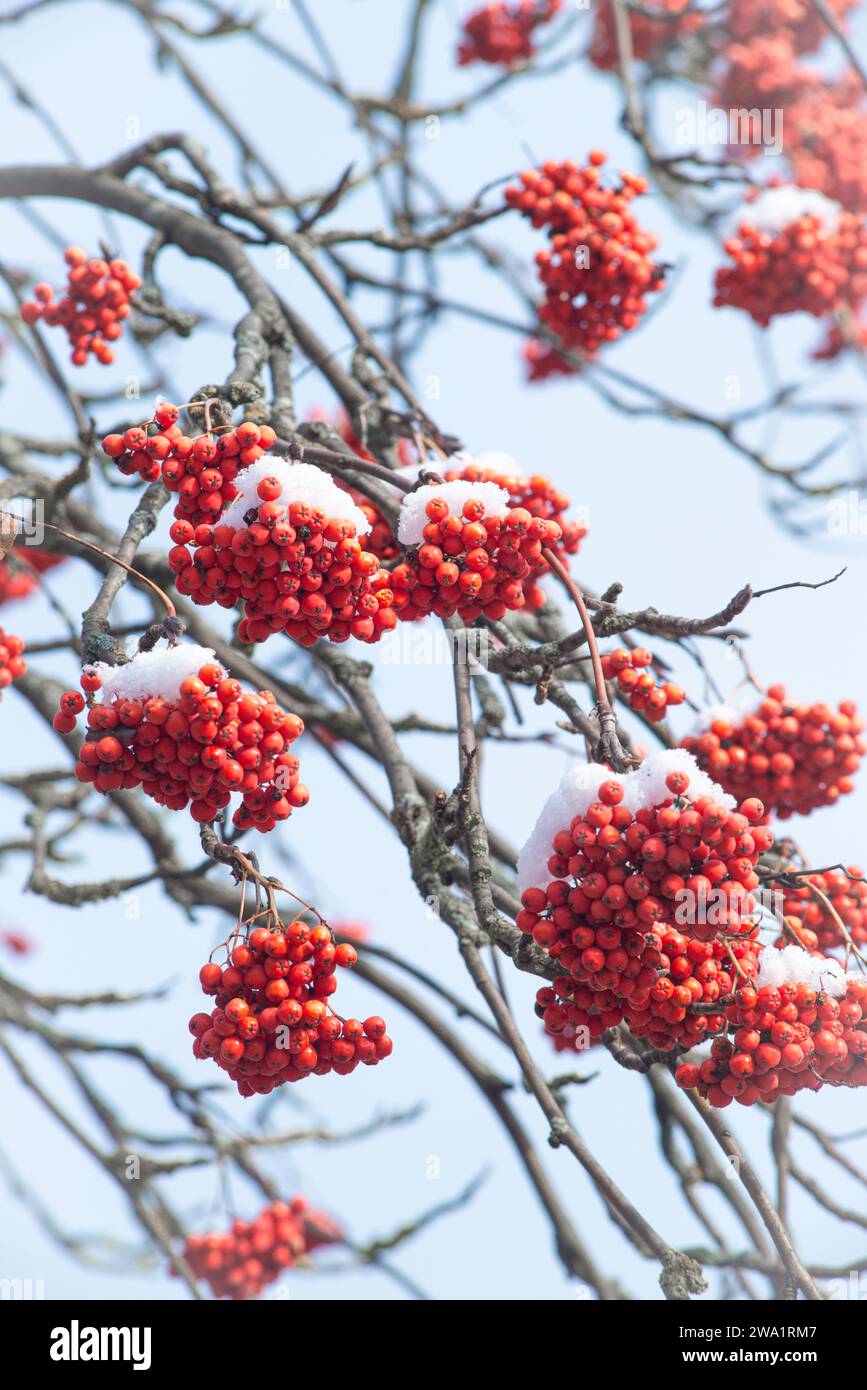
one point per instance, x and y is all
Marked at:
(597, 268)
(468, 551)
(96, 301)
(795, 251)
(504, 34)
(241, 1262)
(801, 1024)
(272, 1020)
(12, 663)
(172, 722)
(200, 470)
(537, 495)
(637, 685)
(640, 887)
(793, 757)
(288, 548)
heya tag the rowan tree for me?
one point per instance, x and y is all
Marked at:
(342, 643)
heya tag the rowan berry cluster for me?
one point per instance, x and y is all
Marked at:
(755, 76)
(200, 470)
(92, 309)
(792, 1035)
(243, 1261)
(597, 269)
(175, 724)
(288, 548)
(826, 128)
(272, 1021)
(641, 888)
(504, 34)
(470, 552)
(19, 582)
(795, 252)
(796, 19)
(12, 663)
(817, 926)
(795, 758)
(537, 495)
(638, 685)
(649, 35)
(757, 52)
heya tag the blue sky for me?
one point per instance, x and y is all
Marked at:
(681, 520)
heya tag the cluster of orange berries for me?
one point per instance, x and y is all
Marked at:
(816, 926)
(668, 973)
(638, 685)
(19, 582)
(200, 470)
(645, 901)
(786, 1038)
(795, 758)
(757, 75)
(195, 747)
(502, 34)
(272, 1022)
(288, 549)
(756, 64)
(92, 310)
(826, 128)
(813, 264)
(243, 1261)
(801, 265)
(798, 20)
(12, 663)
(597, 269)
(537, 495)
(649, 35)
(468, 557)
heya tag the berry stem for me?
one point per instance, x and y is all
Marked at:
(610, 747)
(839, 923)
(244, 868)
(107, 555)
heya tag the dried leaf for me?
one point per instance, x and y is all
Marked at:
(9, 529)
